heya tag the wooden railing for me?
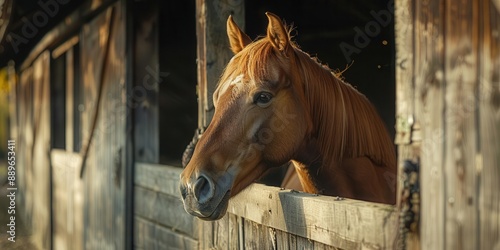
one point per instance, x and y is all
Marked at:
(260, 217)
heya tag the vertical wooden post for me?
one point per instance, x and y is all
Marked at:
(408, 136)
(213, 48)
(487, 160)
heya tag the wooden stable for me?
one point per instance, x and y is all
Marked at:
(94, 180)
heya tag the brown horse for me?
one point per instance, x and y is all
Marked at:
(274, 104)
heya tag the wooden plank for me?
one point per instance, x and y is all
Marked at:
(144, 234)
(430, 87)
(149, 235)
(460, 201)
(408, 134)
(282, 240)
(65, 167)
(213, 48)
(488, 159)
(221, 233)
(234, 228)
(250, 235)
(41, 162)
(345, 223)
(206, 234)
(161, 178)
(13, 81)
(164, 209)
(305, 243)
(168, 239)
(24, 137)
(70, 76)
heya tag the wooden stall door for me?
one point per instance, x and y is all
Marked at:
(104, 169)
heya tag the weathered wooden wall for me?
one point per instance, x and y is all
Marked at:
(448, 90)
(104, 174)
(160, 220)
(62, 210)
(33, 142)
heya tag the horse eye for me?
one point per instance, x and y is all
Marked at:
(262, 98)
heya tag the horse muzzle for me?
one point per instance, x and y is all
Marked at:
(206, 197)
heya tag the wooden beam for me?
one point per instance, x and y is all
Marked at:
(213, 48)
(344, 223)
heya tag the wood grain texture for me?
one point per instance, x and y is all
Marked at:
(41, 149)
(344, 224)
(165, 209)
(430, 91)
(213, 51)
(456, 65)
(150, 235)
(104, 182)
(67, 200)
(487, 164)
(408, 134)
(160, 178)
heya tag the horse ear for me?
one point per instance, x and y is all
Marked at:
(277, 33)
(237, 39)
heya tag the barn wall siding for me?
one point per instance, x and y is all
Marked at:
(448, 58)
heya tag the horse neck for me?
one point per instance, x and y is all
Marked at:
(346, 125)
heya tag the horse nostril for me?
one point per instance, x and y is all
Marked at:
(203, 189)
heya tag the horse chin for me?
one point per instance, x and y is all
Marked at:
(220, 210)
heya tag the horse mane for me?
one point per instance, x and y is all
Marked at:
(340, 112)
(347, 124)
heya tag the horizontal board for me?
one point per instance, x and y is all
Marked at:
(157, 177)
(344, 223)
(341, 223)
(149, 235)
(164, 209)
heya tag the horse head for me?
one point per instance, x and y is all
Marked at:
(259, 121)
